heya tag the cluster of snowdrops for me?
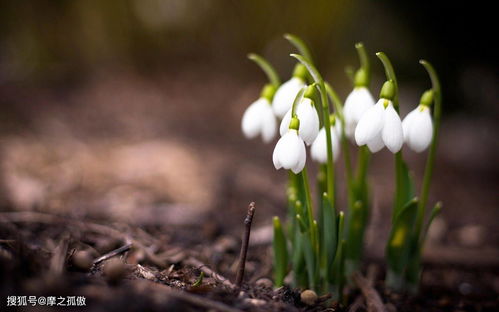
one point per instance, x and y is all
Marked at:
(322, 247)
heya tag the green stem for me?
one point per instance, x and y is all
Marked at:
(327, 124)
(308, 198)
(390, 74)
(430, 161)
(364, 60)
(300, 45)
(338, 107)
(267, 68)
(362, 163)
(297, 100)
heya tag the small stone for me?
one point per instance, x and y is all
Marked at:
(82, 260)
(308, 297)
(114, 270)
(264, 282)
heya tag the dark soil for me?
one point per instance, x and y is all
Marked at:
(159, 166)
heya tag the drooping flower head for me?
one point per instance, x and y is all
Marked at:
(289, 152)
(309, 120)
(381, 125)
(357, 103)
(259, 119)
(285, 95)
(319, 147)
(418, 125)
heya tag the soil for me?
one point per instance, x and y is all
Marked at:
(128, 200)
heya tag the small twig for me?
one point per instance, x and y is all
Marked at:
(244, 247)
(204, 268)
(59, 256)
(113, 253)
(373, 299)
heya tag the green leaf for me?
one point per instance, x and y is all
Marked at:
(405, 187)
(301, 223)
(356, 225)
(434, 213)
(399, 244)
(267, 68)
(330, 233)
(310, 260)
(280, 253)
(299, 44)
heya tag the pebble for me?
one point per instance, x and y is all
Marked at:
(114, 270)
(82, 260)
(308, 297)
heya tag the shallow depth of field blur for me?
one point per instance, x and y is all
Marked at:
(130, 111)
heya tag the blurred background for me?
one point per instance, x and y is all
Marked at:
(130, 110)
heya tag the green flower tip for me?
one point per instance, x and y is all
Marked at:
(294, 124)
(427, 98)
(359, 45)
(388, 90)
(300, 72)
(310, 92)
(361, 78)
(332, 119)
(268, 92)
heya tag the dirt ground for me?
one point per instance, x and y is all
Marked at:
(158, 166)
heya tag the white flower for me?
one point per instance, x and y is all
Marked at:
(356, 104)
(319, 147)
(289, 152)
(259, 119)
(285, 95)
(380, 125)
(418, 128)
(309, 121)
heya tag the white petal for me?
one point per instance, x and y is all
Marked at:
(420, 131)
(301, 161)
(406, 123)
(290, 149)
(356, 104)
(252, 119)
(338, 128)
(285, 95)
(283, 128)
(370, 124)
(319, 147)
(318, 150)
(376, 144)
(275, 155)
(392, 133)
(309, 121)
(269, 124)
(335, 144)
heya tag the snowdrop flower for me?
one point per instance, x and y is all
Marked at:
(285, 95)
(381, 125)
(356, 104)
(309, 121)
(319, 147)
(259, 119)
(418, 125)
(289, 152)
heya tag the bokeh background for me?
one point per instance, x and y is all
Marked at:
(130, 110)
